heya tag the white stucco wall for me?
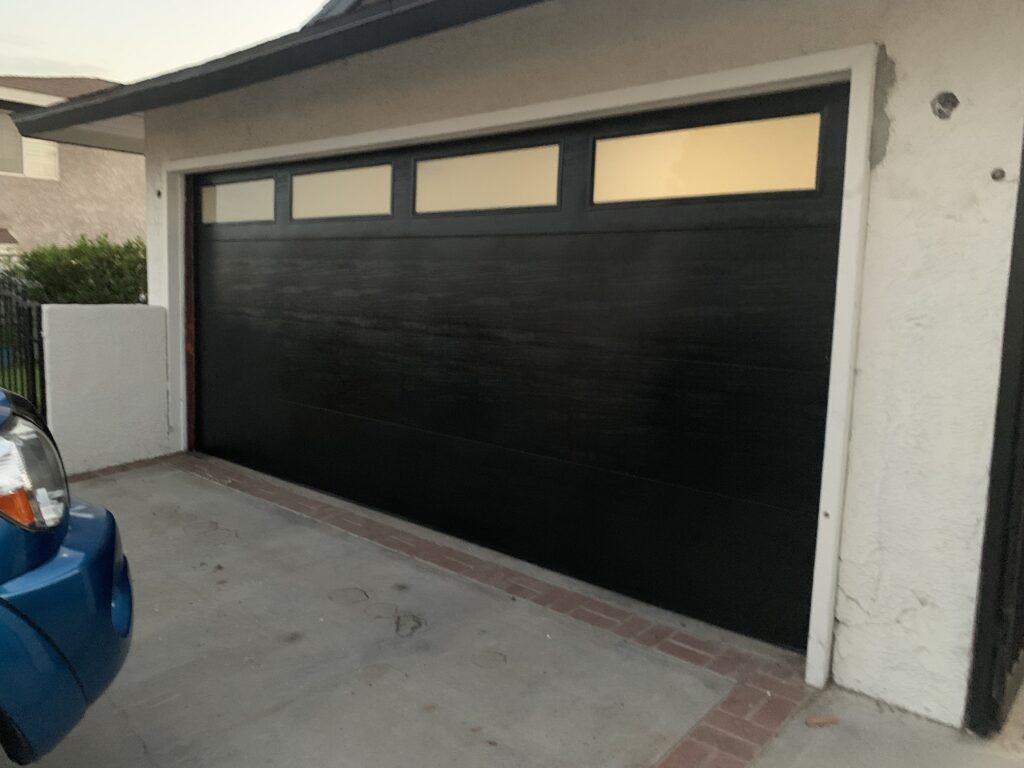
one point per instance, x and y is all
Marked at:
(106, 383)
(935, 271)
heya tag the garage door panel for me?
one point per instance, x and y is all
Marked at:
(762, 297)
(635, 394)
(695, 424)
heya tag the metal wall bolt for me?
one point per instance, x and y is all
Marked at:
(944, 104)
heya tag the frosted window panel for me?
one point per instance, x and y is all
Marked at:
(516, 178)
(775, 155)
(239, 201)
(350, 192)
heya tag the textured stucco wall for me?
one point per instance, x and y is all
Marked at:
(106, 383)
(99, 192)
(935, 267)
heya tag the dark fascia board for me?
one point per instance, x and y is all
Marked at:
(394, 22)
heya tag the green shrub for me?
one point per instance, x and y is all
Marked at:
(88, 272)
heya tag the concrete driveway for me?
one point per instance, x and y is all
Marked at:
(279, 627)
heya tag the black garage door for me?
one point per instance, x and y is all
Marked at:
(603, 348)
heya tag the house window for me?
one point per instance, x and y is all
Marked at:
(32, 158)
(349, 192)
(41, 159)
(774, 155)
(517, 178)
(239, 201)
(10, 146)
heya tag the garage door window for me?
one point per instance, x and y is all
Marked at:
(237, 202)
(757, 156)
(338, 194)
(517, 178)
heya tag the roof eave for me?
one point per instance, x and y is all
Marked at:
(21, 99)
(125, 133)
(320, 44)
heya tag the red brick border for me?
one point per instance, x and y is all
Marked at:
(767, 692)
(106, 471)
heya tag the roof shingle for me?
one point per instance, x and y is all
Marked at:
(336, 9)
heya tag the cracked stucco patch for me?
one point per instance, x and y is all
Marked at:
(885, 80)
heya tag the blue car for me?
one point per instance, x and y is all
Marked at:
(65, 592)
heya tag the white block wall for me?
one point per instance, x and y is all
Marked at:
(106, 383)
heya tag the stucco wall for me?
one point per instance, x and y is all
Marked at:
(106, 383)
(935, 267)
(99, 192)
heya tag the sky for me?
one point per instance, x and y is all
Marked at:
(129, 40)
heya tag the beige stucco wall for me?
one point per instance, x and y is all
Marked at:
(99, 192)
(935, 268)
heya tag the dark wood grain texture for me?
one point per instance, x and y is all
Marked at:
(634, 395)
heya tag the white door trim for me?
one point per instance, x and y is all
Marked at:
(856, 65)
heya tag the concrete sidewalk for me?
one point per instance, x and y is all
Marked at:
(264, 637)
(872, 735)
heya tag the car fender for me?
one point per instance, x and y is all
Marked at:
(81, 599)
(40, 697)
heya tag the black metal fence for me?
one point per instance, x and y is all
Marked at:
(21, 343)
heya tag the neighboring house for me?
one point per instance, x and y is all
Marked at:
(700, 301)
(53, 193)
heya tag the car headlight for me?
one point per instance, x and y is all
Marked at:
(33, 486)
